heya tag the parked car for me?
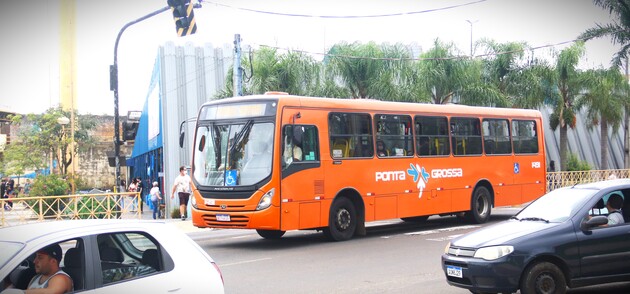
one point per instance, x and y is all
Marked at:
(112, 256)
(561, 239)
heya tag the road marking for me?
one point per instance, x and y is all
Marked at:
(442, 230)
(430, 232)
(451, 237)
(244, 262)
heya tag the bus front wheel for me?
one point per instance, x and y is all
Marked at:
(270, 234)
(342, 221)
(480, 206)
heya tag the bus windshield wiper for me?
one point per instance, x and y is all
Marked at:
(514, 217)
(534, 219)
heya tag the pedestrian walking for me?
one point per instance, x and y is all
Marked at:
(155, 200)
(183, 187)
(132, 188)
(139, 189)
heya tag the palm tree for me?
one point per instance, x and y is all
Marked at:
(605, 97)
(619, 33)
(567, 79)
(437, 77)
(368, 70)
(293, 72)
(516, 80)
(445, 75)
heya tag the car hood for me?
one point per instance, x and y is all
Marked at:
(502, 233)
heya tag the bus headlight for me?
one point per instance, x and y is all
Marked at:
(493, 252)
(193, 201)
(265, 200)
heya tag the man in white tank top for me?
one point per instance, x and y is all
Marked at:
(50, 278)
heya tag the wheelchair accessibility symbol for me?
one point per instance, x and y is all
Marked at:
(517, 168)
(230, 178)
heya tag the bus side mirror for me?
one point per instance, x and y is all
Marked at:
(181, 139)
(202, 143)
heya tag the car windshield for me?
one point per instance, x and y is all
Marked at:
(8, 250)
(236, 154)
(556, 206)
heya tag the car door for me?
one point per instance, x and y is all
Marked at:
(604, 251)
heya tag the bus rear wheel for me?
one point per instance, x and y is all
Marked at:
(270, 234)
(342, 221)
(480, 207)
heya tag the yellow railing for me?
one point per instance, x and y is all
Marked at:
(119, 205)
(22, 210)
(563, 179)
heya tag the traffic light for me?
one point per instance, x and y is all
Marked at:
(184, 16)
(130, 128)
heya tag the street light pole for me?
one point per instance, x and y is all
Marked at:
(113, 85)
(471, 22)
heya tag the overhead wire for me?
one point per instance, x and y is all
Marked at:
(345, 16)
(423, 58)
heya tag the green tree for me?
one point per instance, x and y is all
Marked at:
(442, 76)
(515, 80)
(605, 96)
(294, 72)
(567, 79)
(369, 70)
(619, 33)
(41, 137)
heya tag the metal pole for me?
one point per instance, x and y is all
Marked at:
(471, 35)
(113, 85)
(237, 77)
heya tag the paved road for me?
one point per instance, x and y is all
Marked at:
(394, 257)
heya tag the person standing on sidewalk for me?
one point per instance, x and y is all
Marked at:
(183, 187)
(132, 188)
(139, 189)
(155, 200)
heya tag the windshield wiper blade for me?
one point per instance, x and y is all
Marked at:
(534, 219)
(514, 217)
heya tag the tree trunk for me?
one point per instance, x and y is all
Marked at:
(603, 143)
(563, 147)
(626, 141)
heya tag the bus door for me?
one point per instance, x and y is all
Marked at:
(499, 161)
(302, 181)
(529, 166)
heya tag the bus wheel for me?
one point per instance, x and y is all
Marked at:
(342, 221)
(415, 219)
(270, 234)
(480, 207)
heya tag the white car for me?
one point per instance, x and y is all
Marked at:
(112, 256)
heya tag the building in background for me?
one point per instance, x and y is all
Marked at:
(184, 77)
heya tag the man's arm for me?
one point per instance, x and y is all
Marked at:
(58, 284)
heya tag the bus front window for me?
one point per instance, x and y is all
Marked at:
(233, 155)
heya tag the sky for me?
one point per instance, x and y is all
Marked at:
(29, 30)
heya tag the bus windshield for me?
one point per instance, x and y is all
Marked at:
(237, 154)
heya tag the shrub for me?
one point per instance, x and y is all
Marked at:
(575, 164)
(175, 214)
(49, 185)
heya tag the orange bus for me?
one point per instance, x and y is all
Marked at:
(277, 162)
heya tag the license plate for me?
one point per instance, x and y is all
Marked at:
(454, 271)
(223, 217)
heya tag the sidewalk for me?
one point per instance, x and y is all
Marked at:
(185, 226)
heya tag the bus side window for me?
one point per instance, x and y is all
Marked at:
(431, 136)
(301, 143)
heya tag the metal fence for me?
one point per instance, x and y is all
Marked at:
(557, 180)
(20, 210)
(124, 205)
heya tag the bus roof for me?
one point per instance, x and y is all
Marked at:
(374, 105)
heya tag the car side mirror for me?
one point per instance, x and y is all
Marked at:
(595, 221)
